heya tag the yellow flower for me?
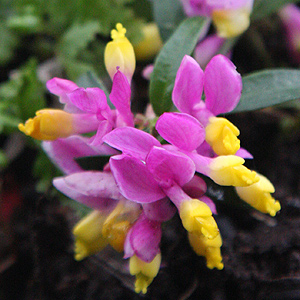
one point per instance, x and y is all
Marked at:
(49, 124)
(144, 272)
(99, 229)
(258, 195)
(231, 23)
(229, 170)
(119, 53)
(118, 223)
(197, 217)
(209, 248)
(88, 235)
(221, 135)
(150, 44)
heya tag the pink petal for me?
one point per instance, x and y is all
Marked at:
(97, 190)
(195, 188)
(144, 239)
(242, 152)
(134, 179)
(170, 168)
(63, 151)
(222, 85)
(91, 100)
(61, 87)
(160, 210)
(227, 4)
(103, 128)
(120, 98)
(181, 130)
(188, 86)
(207, 48)
(131, 141)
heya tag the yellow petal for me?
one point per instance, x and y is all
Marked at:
(49, 124)
(119, 53)
(88, 235)
(259, 196)
(196, 217)
(221, 135)
(229, 170)
(231, 23)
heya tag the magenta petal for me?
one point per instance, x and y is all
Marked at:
(160, 210)
(135, 181)
(97, 190)
(222, 85)
(61, 87)
(90, 100)
(103, 128)
(181, 130)
(144, 239)
(120, 98)
(131, 141)
(188, 86)
(195, 188)
(63, 151)
(170, 167)
(242, 152)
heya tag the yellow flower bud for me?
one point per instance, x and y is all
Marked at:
(197, 217)
(209, 248)
(150, 44)
(231, 23)
(119, 53)
(144, 272)
(221, 135)
(229, 170)
(258, 195)
(118, 223)
(88, 235)
(49, 124)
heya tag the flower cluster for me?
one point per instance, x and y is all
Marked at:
(231, 18)
(150, 178)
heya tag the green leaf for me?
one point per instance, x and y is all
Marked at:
(31, 94)
(167, 14)
(182, 42)
(263, 8)
(78, 37)
(269, 87)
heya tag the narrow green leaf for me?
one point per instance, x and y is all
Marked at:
(182, 42)
(263, 8)
(167, 15)
(268, 88)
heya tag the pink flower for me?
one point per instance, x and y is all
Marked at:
(221, 83)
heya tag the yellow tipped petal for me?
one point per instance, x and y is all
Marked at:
(229, 170)
(119, 53)
(209, 248)
(221, 135)
(144, 272)
(49, 124)
(197, 217)
(151, 43)
(231, 23)
(118, 223)
(88, 235)
(259, 196)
